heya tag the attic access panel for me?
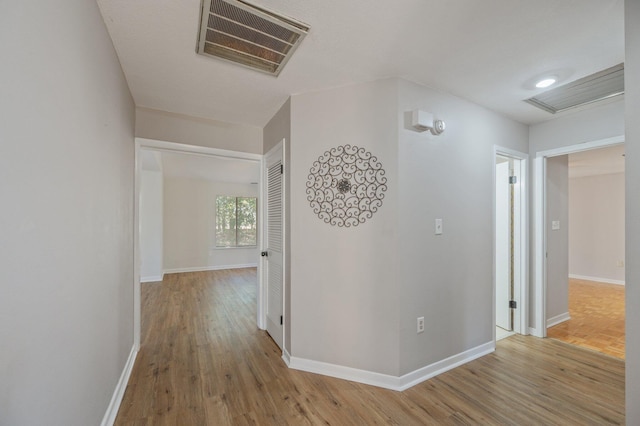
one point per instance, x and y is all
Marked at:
(248, 35)
(592, 88)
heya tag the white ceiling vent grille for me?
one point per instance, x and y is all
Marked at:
(248, 35)
(592, 88)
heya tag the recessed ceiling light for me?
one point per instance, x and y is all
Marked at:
(546, 82)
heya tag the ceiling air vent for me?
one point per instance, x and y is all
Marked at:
(248, 35)
(592, 88)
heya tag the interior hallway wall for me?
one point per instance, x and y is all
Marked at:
(557, 239)
(171, 127)
(357, 291)
(447, 278)
(66, 184)
(344, 280)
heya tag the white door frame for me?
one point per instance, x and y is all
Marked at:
(539, 328)
(157, 145)
(521, 240)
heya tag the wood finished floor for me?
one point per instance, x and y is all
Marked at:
(204, 362)
(597, 318)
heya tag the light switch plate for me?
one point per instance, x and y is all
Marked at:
(438, 229)
(555, 225)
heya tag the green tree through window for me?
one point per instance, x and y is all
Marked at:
(236, 221)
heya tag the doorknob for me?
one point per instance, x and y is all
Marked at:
(264, 254)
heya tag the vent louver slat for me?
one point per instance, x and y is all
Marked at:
(596, 87)
(239, 32)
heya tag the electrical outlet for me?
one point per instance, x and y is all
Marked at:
(420, 324)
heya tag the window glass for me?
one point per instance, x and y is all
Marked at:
(236, 221)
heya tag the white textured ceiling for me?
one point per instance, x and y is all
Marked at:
(487, 51)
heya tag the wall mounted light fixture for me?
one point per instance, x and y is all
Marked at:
(423, 121)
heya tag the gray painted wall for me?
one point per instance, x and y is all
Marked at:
(344, 281)
(170, 127)
(357, 292)
(66, 184)
(574, 127)
(557, 240)
(446, 278)
(632, 105)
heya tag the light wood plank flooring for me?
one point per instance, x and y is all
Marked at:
(204, 362)
(597, 318)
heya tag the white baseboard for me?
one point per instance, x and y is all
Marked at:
(152, 278)
(114, 405)
(429, 371)
(387, 381)
(558, 319)
(598, 279)
(286, 357)
(209, 268)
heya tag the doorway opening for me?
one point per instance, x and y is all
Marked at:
(544, 226)
(585, 303)
(510, 243)
(180, 155)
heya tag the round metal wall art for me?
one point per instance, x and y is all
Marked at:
(346, 186)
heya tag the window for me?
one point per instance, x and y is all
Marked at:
(236, 221)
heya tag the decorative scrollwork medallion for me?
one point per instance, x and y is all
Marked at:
(346, 186)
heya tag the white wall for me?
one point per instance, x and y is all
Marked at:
(151, 225)
(189, 225)
(66, 184)
(356, 292)
(170, 127)
(344, 281)
(596, 227)
(596, 123)
(557, 304)
(632, 150)
(446, 278)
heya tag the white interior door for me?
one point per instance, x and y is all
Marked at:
(274, 243)
(503, 245)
